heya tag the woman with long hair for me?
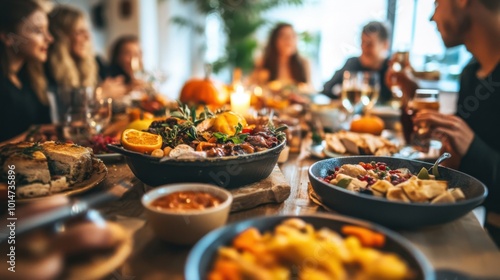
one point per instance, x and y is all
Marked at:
(126, 57)
(24, 41)
(281, 61)
(72, 62)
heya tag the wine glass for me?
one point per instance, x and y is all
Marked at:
(99, 114)
(370, 89)
(351, 90)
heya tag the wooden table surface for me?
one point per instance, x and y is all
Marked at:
(462, 246)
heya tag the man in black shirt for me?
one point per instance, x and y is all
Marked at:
(472, 134)
(374, 57)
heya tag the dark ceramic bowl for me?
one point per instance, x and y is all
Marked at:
(391, 213)
(227, 172)
(202, 256)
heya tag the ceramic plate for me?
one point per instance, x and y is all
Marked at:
(98, 175)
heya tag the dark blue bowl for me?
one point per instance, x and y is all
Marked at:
(203, 254)
(390, 213)
(226, 172)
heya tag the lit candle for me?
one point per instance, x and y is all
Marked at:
(240, 101)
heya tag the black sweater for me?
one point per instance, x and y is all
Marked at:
(19, 107)
(479, 105)
(354, 64)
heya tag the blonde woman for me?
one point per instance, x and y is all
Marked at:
(72, 62)
(24, 40)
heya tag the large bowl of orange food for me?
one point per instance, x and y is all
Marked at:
(305, 247)
(217, 148)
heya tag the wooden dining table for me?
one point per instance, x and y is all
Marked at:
(462, 247)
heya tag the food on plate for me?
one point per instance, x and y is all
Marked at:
(186, 200)
(41, 169)
(378, 179)
(368, 124)
(296, 250)
(100, 143)
(353, 143)
(140, 141)
(188, 135)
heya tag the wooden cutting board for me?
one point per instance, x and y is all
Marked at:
(273, 189)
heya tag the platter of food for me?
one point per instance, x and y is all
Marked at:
(219, 148)
(395, 192)
(345, 143)
(305, 247)
(98, 142)
(43, 169)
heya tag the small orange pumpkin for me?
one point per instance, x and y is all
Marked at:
(203, 91)
(368, 124)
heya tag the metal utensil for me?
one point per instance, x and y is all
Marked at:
(434, 168)
(60, 214)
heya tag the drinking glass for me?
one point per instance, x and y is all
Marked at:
(424, 99)
(401, 60)
(370, 89)
(351, 91)
(99, 114)
(76, 127)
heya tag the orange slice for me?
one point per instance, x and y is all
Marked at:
(139, 141)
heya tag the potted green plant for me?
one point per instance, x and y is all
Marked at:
(241, 19)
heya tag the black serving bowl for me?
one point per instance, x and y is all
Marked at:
(391, 213)
(227, 172)
(203, 254)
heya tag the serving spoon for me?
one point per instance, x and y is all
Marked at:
(441, 158)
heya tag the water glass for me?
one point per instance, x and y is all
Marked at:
(99, 114)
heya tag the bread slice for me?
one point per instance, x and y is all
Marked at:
(445, 197)
(432, 188)
(457, 194)
(70, 160)
(382, 186)
(333, 143)
(397, 194)
(28, 162)
(33, 190)
(413, 191)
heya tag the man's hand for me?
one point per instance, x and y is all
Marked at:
(457, 133)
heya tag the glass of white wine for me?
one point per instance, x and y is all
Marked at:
(370, 89)
(351, 90)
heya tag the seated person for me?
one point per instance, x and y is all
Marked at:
(282, 65)
(126, 58)
(72, 62)
(23, 90)
(374, 57)
(470, 135)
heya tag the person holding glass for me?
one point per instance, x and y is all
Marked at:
(126, 61)
(470, 135)
(24, 40)
(374, 58)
